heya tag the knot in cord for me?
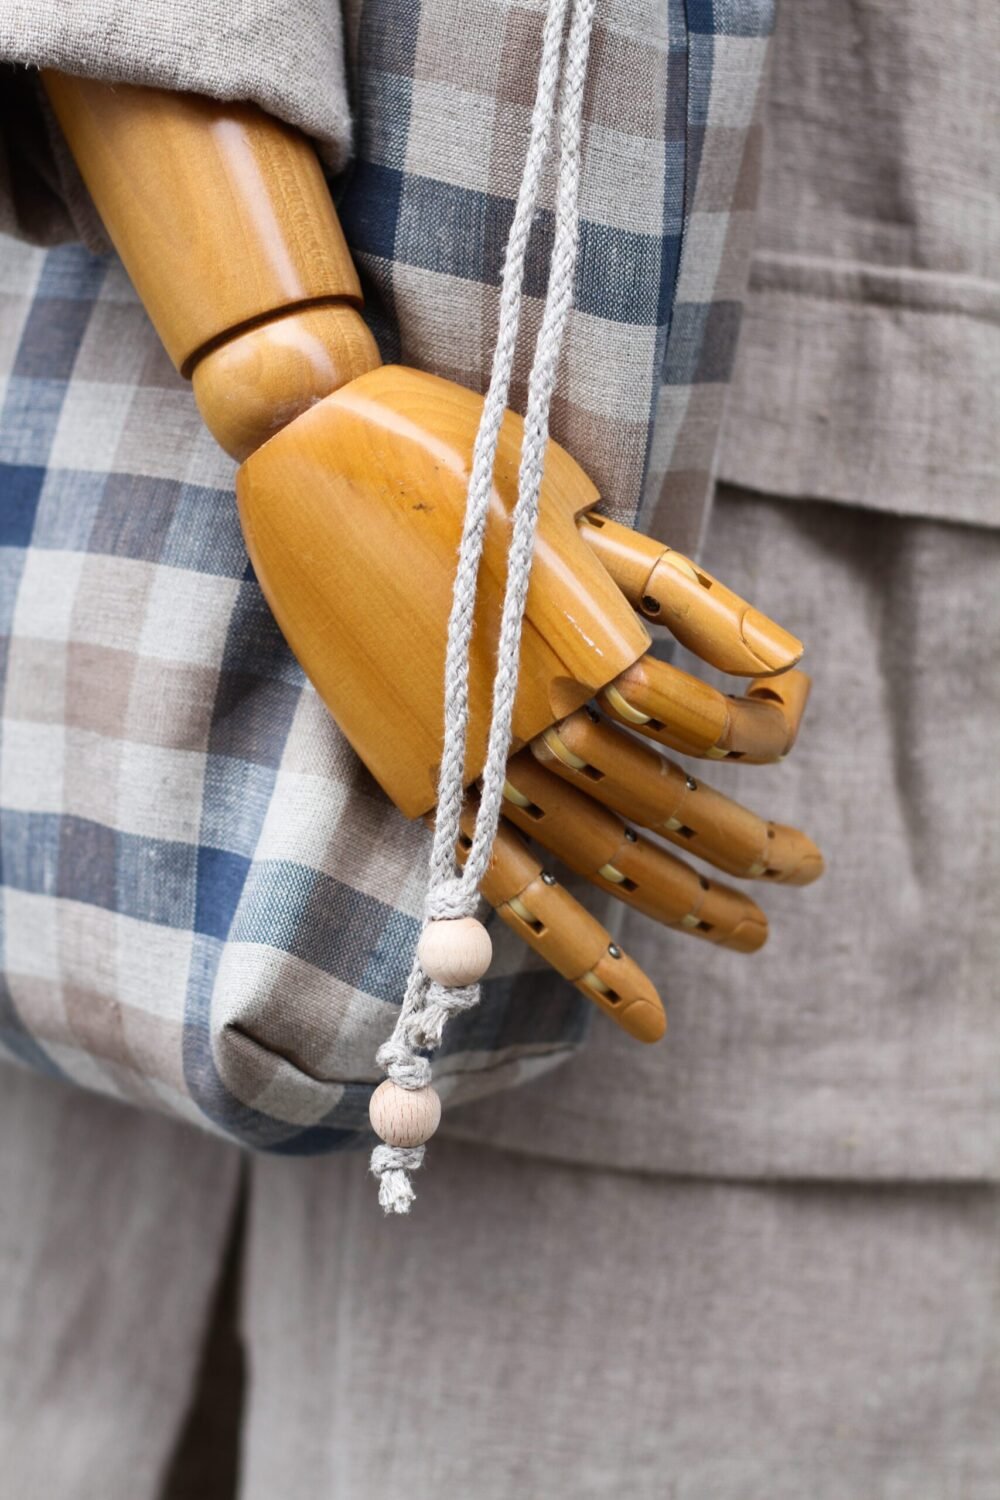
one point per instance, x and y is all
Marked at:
(451, 898)
(391, 1164)
(401, 1063)
(441, 1002)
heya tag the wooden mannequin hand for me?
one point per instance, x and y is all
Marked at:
(365, 608)
(352, 496)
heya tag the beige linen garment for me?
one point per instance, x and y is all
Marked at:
(223, 50)
(761, 1261)
(864, 1041)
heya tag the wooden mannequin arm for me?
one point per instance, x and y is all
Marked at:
(225, 225)
(353, 497)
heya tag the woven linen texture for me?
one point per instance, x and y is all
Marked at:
(208, 906)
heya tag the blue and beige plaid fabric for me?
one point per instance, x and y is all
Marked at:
(208, 907)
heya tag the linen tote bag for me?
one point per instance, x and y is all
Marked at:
(208, 906)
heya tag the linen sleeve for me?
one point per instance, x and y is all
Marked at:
(288, 59)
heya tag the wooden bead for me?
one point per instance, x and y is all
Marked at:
(455, 951)
(404, 1117)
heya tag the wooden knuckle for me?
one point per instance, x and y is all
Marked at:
(512, 867)
(252, 385)
(670, 706)
(556, 926)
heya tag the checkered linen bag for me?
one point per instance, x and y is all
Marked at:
(208, 906)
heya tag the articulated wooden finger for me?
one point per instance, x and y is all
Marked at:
(637, 782)
(551, 921)
(701, 612)
(594, 842)
(676, 709)
(788, 695)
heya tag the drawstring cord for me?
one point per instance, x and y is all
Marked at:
(454, 949)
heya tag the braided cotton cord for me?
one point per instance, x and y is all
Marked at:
(427, 1004)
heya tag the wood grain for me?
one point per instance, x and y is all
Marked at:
(636, 781)
(254, 384)
(220, 214)
(353, 517)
